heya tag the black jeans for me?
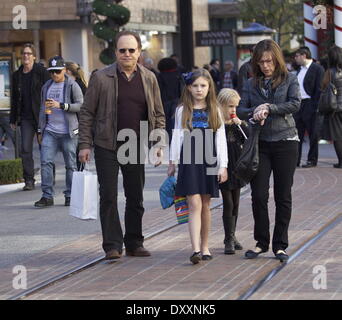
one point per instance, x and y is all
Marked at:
(107, 166)
(280, 158)
(306, 120)
(28, 131)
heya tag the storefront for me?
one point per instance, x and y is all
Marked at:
(56, 28)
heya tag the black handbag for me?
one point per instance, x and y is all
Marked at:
(248, 162)
(328, 100)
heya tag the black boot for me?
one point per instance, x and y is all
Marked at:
(229, 244)
(237, 244)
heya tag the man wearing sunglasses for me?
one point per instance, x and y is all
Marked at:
(62, 98)
(25, 104)
(121, 96)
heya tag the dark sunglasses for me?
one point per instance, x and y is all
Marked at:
(130, 50)
(55, 71)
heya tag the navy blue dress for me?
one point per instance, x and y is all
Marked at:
(193, 177)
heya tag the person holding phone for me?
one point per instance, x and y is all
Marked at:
(58, 128)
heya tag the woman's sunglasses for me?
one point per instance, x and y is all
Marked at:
(130, 50)
(55, 71)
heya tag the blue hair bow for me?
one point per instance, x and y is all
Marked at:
(187, 77)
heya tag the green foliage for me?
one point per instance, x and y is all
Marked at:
(107, 56)
(107, 29)
(11, 171)
(118, 13)
(285, 16)
(102, 31)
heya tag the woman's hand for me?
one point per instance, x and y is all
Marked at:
(222, 175)
(264, 106)
(171, 169)
(261, 112)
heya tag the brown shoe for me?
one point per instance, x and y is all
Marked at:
(113, 254)
(138, 252)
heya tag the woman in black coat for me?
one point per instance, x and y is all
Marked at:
(332, 124)
(171, 86)
(271, 97)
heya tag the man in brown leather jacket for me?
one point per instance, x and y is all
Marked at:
(121, 96)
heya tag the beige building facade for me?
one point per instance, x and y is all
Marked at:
(55, 28)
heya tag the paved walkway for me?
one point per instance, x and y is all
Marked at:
(168, 273)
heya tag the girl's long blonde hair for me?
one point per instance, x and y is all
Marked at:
(76, 71)
(187, 101)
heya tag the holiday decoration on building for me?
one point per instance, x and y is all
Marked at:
(110, 16)
(310, 33)
(338, 22)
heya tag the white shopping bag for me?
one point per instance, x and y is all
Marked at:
(84, 195)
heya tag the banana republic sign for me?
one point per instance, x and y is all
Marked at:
(213, 38)
(153, 16)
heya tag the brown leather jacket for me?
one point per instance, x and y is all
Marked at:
(98, 116)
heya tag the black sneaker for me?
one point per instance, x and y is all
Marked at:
(44, 202)
(67, 201)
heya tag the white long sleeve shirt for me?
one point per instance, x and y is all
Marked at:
(178, 137)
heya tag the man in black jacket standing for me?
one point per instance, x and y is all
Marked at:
(309, 77)
(27, 83)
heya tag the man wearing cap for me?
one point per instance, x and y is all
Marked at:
(62, 98)
(25, 104)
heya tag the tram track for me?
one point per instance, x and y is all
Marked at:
(53, 280)
(298, 251)
(246, 293)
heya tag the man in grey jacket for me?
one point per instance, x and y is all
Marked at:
(61, 99)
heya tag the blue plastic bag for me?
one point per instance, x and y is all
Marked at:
(167, 192)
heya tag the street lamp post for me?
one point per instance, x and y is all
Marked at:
(84, 10)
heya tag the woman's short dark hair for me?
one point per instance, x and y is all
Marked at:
(335, 57)
(31, 46)
(128, 33)
(280, 71)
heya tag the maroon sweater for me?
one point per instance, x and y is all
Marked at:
(132, 106)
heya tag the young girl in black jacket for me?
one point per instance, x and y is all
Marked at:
(229, 100)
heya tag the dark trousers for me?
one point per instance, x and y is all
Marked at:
(306, 121)
(28, 131)
(107, 166)
(280, 158)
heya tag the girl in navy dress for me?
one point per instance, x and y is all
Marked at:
(229, 100)
(199, 146)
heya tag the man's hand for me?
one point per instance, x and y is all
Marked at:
(222, 175)
(158, 154)
(52, 104)
(84, 155)
(13, 126)
(39, 138)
